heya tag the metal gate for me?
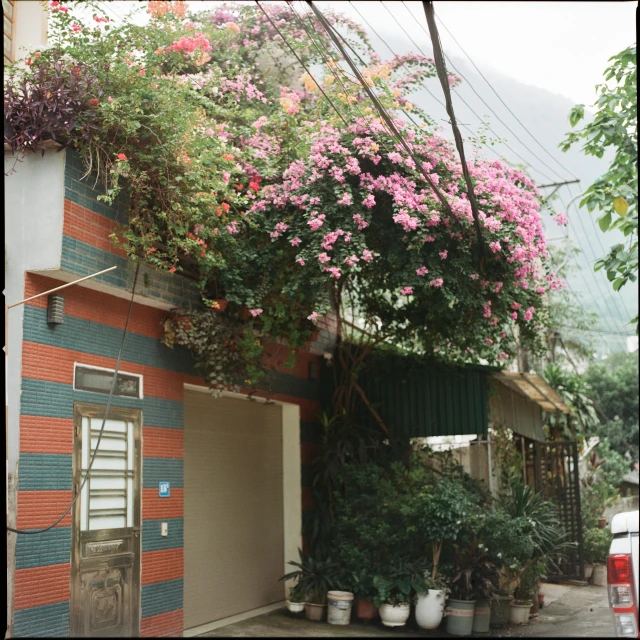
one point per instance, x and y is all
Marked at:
(555, 470)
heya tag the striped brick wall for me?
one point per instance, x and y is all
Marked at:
(91, 335)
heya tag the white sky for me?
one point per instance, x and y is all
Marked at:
(559, 46)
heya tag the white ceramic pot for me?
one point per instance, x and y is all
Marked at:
(430, 609)
(295, 607)
(599, 575)
(394, 615)
(519, 613)
(588, 570)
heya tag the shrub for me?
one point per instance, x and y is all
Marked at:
(596, 543)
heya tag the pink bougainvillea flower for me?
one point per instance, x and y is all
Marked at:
(351, 260)
(528, 314)
(295, 241)
(122, 156)
(255, 312)
(313, 316)
(514, 316)
(422, 271)
(503, 356)
(443, 255)
(301, 262)
(494, 246)
(367, 256)
(406, 291)
(323, 257)
(561, 219)
(232, 26)
(76, 27)
(438, 282)
(489, 341)
(515, 306)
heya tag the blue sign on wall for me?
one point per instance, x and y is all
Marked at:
(164, 489)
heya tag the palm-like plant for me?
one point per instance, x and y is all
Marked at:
(314, 577)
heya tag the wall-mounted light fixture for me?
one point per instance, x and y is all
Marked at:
(55, 309)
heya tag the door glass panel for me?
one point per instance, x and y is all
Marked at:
(107, 498)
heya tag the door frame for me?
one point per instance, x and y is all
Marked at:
(93, 410)
(291, 498)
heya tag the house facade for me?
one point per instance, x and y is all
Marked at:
(194, 504)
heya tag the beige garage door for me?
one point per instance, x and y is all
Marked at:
(233, 507)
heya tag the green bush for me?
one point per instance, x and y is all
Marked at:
(596, 543)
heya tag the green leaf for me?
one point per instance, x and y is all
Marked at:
(618, 283)
(605, 221)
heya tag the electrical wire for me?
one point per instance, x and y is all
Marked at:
(462, 99)
(300, 61)
(535, 139)
(104, 421)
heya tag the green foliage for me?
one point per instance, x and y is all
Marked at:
(396, 582)
(314, 577)
(508, 539)
(576, 393)
(614, 385)
(474, 575)
(615, 193)
(596, 543)
(529, 581)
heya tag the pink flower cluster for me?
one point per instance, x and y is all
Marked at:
(189, 45)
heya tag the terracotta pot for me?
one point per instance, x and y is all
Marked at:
(540, 599)
(365, 609)
(314, 612)
(602, 523)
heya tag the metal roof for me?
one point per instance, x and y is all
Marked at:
(534, 387)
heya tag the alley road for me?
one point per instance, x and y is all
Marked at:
(569, 611)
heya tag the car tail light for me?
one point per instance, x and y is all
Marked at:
(619, 569)
(621, 596)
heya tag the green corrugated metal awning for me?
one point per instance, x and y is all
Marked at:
(423, 400)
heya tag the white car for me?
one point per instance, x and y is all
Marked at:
(623, 574)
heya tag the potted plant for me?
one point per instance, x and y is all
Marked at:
(363, 589)
(394, 589)
(524, 595)
(473, 575)
(315, 578)
(596, 543)
(431, 594)
(295, 601)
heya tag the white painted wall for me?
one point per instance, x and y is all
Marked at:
(30, 26)
(34, 201)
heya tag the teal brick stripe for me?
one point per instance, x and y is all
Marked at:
(83, 258)
(155, 470)
(104, 340)
(45, 472)
(48, 621)
(54, 399)
(51, 547)
(162, 597)
(153, 541)
(54, 546)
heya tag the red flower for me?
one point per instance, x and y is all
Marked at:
(172, 270)
(239, 187)
(37, 54)
(203, 254)
(94, 102)
(121, 156)
(28, 62)
(225, 206)
(151, 250)
(255, 186)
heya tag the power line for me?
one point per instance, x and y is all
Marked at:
(485, 102)
(393, 53)
(502, 101)
(589, 268)
(463, 100)
(598, 233)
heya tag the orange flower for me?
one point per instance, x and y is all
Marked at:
(228, 156)
(225, 206)
(239, 187)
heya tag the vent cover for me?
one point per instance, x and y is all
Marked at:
(55, 309)
(99, 381)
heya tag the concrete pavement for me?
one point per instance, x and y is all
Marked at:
(569, 611)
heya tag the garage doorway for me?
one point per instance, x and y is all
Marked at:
(242, 505)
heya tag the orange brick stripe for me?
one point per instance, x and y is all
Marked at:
(55, 364)
(159, 442)
(38, 509)
(46, 435)
(156, 508)
(92, 228)
(42, 585)
(164, 625)
(96, 306)
(161, 566)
